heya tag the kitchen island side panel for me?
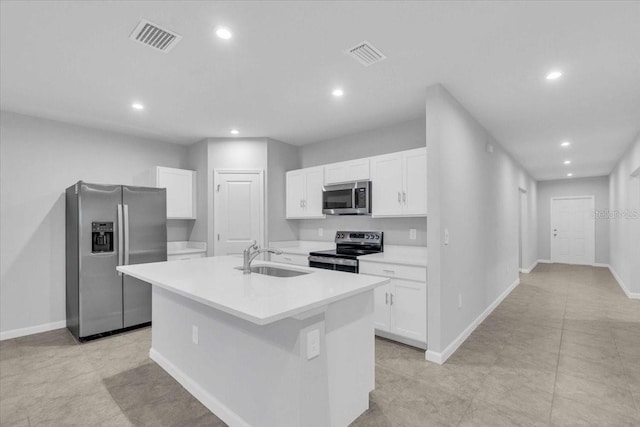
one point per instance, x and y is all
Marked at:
(249, 374)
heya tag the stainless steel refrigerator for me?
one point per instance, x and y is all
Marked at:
(107, 226)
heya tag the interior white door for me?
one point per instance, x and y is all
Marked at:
(573, 230)
(238, 211)
(524, 235)
(634, 235)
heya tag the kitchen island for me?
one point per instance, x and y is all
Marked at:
(259, 350)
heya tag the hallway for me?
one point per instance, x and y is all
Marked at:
(562, 349)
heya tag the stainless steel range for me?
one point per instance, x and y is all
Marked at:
(349, 245)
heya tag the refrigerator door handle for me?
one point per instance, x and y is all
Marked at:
(120, 237)
(126, 234)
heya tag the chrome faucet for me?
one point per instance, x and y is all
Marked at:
(250, 256)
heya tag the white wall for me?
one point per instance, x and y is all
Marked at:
(596, 186)
(39, 159)
(624, 192)
(475, 196)
(389, 139)
(197, 160)
(281, 157)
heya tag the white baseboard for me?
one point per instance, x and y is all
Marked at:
(599, 264)
(544, 261)
(530, 269)
(45, 327)
(628, 293)
(214, 405)
(440, 358)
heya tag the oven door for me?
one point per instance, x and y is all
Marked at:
(347, 199)
(331, 263)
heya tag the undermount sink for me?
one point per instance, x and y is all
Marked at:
(275, 271)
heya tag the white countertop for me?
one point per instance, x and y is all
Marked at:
(182, 248)
(403, 255)
(254, 297)
(302, 247)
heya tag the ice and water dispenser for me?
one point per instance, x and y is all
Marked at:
(101, 237)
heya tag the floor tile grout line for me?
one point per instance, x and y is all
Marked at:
(555, 381)
(633, 399)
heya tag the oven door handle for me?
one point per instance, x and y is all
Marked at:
(334, 261)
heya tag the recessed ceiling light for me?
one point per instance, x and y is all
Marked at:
(337, 92)
(565, 144)
(234, 131)
(553, 75)
(567, 162)
(223, 33)
(137, 106)
(569, 174)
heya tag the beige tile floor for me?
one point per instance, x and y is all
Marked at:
(563, 349)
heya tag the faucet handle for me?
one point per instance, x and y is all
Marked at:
(254, 245)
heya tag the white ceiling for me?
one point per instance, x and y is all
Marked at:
(73, 61)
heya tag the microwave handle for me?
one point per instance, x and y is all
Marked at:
(353, 199)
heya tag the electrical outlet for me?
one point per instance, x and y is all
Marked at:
(413, 234)
(320, 231)
(446, 236)
(313, 344)
(194, 334)
(459, 300)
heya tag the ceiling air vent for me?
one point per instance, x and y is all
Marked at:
(150, 34)
(366, 54)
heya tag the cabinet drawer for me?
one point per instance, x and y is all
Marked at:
(184, 256)
(394, 271)
(291, 259)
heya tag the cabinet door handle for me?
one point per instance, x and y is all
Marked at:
(404, 197)
(391, 299)
(399, 197)
(390, 271)
(287, 258)
(386, 297)
(300, 202)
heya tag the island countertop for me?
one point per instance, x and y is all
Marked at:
(254, 297)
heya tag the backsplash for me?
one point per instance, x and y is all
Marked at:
(396, 230)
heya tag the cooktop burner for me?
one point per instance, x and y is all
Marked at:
(351, 244)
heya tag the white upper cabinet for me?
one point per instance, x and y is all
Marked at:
(181, 191)
(415, 182)
(350, 171)
(399, 182)
(304, 193)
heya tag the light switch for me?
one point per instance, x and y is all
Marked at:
(194, 334)
(313, 344)
(320, 231)
(446, 236)
(413, 234)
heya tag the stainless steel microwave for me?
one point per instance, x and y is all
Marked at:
(353, 198)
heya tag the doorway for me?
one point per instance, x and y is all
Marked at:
(634, 232)
(573, 230)
(238, 210)
(523, 232)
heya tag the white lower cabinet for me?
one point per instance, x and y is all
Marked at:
(401, 306)
(295, 259)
